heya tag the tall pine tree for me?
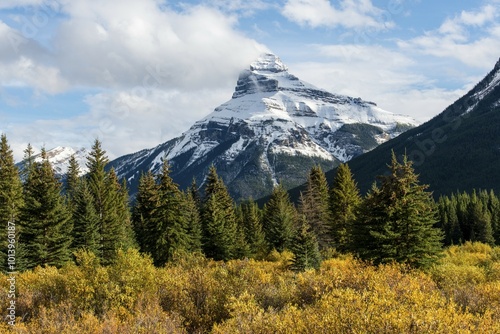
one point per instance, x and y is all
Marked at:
(397, 220)
(220, 235)
(85, 219)
(171, 225)
(144, 213)
(344, 203)
(111, 205)
(315, 206)
(11, 202)
(46, 229)
(279, 220)
(250, 218)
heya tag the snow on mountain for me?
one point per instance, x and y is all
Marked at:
(486, 86)
(59, 159)
(275, 126)
(272, 103)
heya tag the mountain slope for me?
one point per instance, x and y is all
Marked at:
(59, 159)
(458, 150)
(274, 129)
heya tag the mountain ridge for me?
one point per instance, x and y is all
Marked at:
(274, 129)
(457, 150)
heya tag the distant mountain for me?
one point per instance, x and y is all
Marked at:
(59, 159)
(458, 150)
(274, 129)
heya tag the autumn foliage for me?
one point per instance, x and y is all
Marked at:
(193, 294)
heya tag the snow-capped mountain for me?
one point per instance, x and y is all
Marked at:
(274, 129)
(59, 159)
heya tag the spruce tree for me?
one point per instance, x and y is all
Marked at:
(85, 219)
(279, 220)
(111, 205)
(494, 206)
(218, 220)
(480, 219)
(344, 203)
(144, 213)
(315, 206)
(305, 248)
(45, 220)
(192, 215)
(171, 228)
(250, 218)
(116, 226)
(397, 220)
(72, 177)
(11, 202)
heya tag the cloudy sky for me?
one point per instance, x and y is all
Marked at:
(135, 73)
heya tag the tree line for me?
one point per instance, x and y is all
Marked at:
(398, 220)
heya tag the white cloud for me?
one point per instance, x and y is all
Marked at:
(387, 77)
(119, 43)
(456, 38)
(158, 70)
(354, 14)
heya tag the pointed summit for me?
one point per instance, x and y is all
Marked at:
(274, 130)
(268, 62)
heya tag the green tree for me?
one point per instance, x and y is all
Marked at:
(305, 248)
(250, 218)
(218, 220)
(46, 229)
(494, 207)
(192, 215)
(72, 177)
(480, 219)
(110, 200)
(344, 203)
(279, 220)
(11, 202)
(315, 206)
(116, 226)
(397, 220)
(171, 224)
(85, 219)
(448, 221)
(144, 213)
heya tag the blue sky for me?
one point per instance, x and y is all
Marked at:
(137, 73)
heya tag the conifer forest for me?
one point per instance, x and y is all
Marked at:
(80, 256)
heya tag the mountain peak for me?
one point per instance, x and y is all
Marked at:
(268, 62)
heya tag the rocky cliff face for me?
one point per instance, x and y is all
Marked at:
(274, 129)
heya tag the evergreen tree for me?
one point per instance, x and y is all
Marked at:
(144, 213)
(111, 205)
(192, 216)
(480, 219)
(397, 220)
(218, 220)
(279, 220)
(171, 228)
(195, 194)
(344, 203)
(46, 229)
(72, 177)
(250, 219)
(85, 219)
(305, 248)
(494, 207)
(116, 226)
(11, 202)
(315, 206)
(448, 221)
